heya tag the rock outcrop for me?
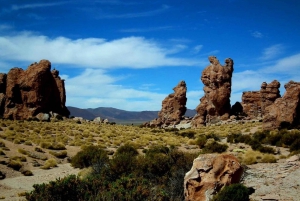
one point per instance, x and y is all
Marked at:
(215, 104)
(173, 107)
(26, 93)
(285, 111)
(209, 174)
(255, 102)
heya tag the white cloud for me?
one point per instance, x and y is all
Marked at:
(257, 34)
(272, 52)
(288, 65)
(94, 88)
(131, 52)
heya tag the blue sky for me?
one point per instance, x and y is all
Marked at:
(129, 54)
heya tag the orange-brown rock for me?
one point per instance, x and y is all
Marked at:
(215, 104)
(285, 111)
(33, 91)
(255, 102)
(209, 174)
(173, 107)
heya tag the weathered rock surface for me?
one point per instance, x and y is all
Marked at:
(255, 102)
(173, 107)
(215, 104)
(209, 174)
(285, 111)
(274, 181)
(34, 91)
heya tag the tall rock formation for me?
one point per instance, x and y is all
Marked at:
(285, 111)
(209, 174)
(255, 102)
(173, 107)
(215, 104)
(26, 93)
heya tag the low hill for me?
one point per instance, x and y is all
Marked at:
(117, 115)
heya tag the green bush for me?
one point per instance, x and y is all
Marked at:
(295, 146)
(234, 192)
(214, 147)
(88, 156)
(127, 149)
(201, 141)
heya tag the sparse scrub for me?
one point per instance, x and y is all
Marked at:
(50, 163)
(15, 164)
(59, 154)
(233, 192)
(27, 173)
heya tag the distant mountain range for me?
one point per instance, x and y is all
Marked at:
(117, 115)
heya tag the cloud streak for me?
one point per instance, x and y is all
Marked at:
(272, 52)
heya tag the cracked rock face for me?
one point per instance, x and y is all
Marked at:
(209, 174)
(215, 104)
(27, 93)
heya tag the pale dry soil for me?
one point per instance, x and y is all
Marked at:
(16, 183)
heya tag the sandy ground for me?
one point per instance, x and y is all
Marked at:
(10, 187)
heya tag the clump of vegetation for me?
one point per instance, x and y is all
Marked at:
(214, 147)
(50, 163)
(27, 173)
(233, 192)
(15, 164)
(59, 154)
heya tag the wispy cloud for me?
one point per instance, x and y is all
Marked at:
(135, 15)
(272, 52)
(130, 52)
(197, 49)
(257, 34)
(36, 5)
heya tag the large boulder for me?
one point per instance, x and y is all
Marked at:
(173, 107)
(215, 104)
(285, 111)
(33, 91)
(255, 102)
(209, 174)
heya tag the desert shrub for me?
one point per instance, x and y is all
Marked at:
(188, 134)
(234, 192)
(155, 149)
(27, 173)
(88, 156)
(212, 136)
(2, 175)
(128, 149)
(268, 158)
(20, 158)
(22, 151)
(214, 147)
(265, 149)
(50, 163)
(261, 135)
(59, 154)
(201, 141)
(58, 146)
(122, 164)
(61, 189)
(2, 152)
(46, 145)
(15, 164)
(295, 146)
(38, 149)
(28, 143)
(2, 144)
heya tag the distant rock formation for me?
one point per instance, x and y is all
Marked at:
(173, 107)
(255, 102)
(285, 111)
(215, 104)
(27, 93)
(209, 174)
